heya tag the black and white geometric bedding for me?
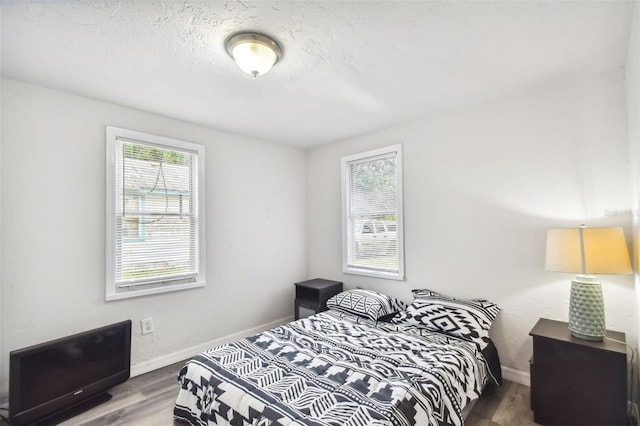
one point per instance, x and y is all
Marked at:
(329, 370)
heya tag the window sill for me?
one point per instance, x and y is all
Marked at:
(398, 276)
(128, 294)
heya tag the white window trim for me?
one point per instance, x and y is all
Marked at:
(349, 269)
(112, 291)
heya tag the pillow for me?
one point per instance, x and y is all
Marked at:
(353, 318)
(365, 303)
(467, 319)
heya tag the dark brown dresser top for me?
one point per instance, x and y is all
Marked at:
(559, 330)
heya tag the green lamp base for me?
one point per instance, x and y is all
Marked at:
(586, 309)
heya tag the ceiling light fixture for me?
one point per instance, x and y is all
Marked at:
(254, 53)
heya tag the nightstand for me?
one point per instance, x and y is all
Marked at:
(312, 296)
(577, 382)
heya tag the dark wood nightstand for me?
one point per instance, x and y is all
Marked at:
(312, 296)
(577, 382)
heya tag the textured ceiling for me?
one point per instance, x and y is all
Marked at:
(348, 67)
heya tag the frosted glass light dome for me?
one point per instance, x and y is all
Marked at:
(254, 53)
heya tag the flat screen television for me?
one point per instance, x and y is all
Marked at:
(53, 381)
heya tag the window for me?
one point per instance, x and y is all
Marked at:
(372, 232)
(155, 214)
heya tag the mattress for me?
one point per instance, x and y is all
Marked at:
(333, 369)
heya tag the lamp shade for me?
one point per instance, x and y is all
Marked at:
(587, 251)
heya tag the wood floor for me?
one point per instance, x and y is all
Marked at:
(504, 405)
(147, 400)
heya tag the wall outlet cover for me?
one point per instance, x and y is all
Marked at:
(146, 326)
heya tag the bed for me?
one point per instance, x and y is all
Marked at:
(337, 368)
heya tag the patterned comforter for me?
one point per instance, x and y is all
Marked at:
(330, 370)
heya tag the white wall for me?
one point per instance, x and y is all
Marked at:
(481, 187)
(632, 74)
(53, 229)
(2, 354)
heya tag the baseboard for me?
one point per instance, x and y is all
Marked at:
(516, 376)
(164, 360)
(633, 413)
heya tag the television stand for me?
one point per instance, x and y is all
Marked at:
(74, 409)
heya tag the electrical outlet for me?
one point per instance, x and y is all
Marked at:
(146, 326)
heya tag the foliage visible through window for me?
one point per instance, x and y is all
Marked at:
(156, 226)
(150, 153)
(372, 226)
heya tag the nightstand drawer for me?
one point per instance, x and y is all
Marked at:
(303, 311)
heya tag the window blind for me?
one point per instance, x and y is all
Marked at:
(372, 213)
(156, 214)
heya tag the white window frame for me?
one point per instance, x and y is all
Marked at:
(347, 234)
(113, 291)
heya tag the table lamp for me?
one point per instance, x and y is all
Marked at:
(586, 251)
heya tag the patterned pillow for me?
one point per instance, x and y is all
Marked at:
(468, 319)
(366, 303)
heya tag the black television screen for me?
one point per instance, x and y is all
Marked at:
(57, 377)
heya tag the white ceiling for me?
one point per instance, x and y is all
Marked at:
(348, 67)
